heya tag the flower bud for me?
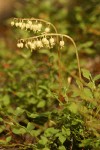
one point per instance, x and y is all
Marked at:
(20, 45)
(39, 26)
(12, 23)
(52, 41)
(34, 28)
(47, 29)
(27, 26)
(62, 43)
(20, 24)
(23, 25)
(30, 22)
(16, 24)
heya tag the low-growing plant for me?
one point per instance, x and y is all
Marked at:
(39, 108)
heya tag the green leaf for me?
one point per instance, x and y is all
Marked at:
(22, 130)
(91, 85)
(35, 133)
(2, 142)
(86, 74)
(8, 139)
(87, 93)
(6, 100)
(43, 140)
(15, 131)
(73, 107)
(62, 148)
(20, 94)
(1, 119)
(86, 44)
(19, 111)
(31, 115)
(30, 126)
(62, 139)
(41, 104)
(45, 148)
(51, 131)
(97, 77)
(66, 131)
(2, 128)
(19, 131)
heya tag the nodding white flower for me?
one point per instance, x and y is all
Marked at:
(16, 24)
(23, 25)
(34, 27)
(39, 26)
(29, 43)
(52, 41)
(20, 24)
(20, 45)
(62, 43)
(27, 26)
(33, 45)
(30, 22)
(46, 42)
(47, 29)
(39, 44)
(26, 45)
(12, 23)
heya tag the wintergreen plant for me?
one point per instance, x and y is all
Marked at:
(45, 36)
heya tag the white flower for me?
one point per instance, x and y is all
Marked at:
(62, 43)
(26, 45)
(39, 26)
(20, 24)
(39, 44)
(20, 45)
(33, 45)
(16, 24)
(45, 42)
(30, 22)
(52, 41)
(47, 29)
(28, 26)
(34, 27)
(12, 23)
(23, 25)
(29, 43)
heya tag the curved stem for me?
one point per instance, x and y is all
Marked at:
(66, 36)
(37, 19)
(47, 23)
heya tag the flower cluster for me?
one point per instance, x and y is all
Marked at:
(44, 39)
(34, 26)
(37, 43)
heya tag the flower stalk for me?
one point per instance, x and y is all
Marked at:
(45, 38)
